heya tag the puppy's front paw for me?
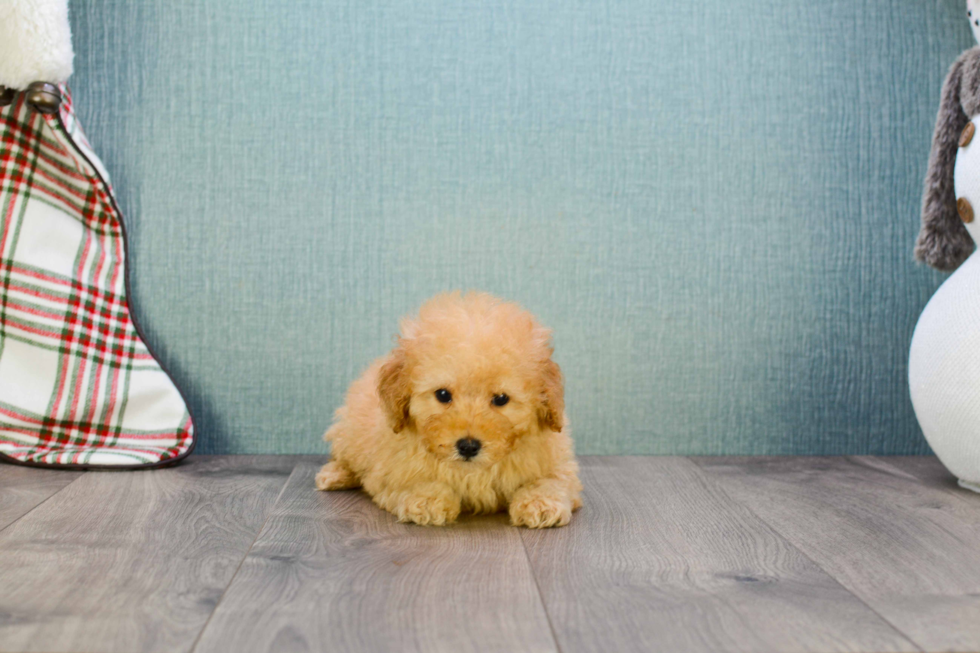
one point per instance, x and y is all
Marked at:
(537, 510)
(429, 505)
(335, 476)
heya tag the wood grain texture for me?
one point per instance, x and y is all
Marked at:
(24, 488)
(909, 548)
(331, 571)
(927, 469)
(661, 559)
(132, 561)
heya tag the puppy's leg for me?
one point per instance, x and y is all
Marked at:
(544, 503)
(427, 504)
(336, 475)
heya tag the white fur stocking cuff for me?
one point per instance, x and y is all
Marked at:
(35, 42)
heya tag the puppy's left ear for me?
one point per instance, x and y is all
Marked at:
(552, 406)
(394, 389)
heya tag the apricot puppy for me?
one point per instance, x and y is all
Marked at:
(466, 414)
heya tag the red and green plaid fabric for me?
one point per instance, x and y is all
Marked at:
(78, 385)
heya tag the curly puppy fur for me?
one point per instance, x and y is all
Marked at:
(397, 440)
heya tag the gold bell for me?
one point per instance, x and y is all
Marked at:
(44, 97)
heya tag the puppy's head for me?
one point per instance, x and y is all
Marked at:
(471, 376)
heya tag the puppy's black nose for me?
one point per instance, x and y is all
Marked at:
(468, 447)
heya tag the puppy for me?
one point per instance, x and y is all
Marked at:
(466, 414)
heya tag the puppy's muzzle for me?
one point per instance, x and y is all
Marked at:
(468, 447)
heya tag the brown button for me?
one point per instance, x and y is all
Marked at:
(6, 95)
(967, 134)
(44, 97)
(965, 210)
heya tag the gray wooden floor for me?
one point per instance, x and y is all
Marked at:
(240, 553)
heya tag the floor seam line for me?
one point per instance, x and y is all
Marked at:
(44, 501)
(258, 533)
(721, 488)
(537, 586)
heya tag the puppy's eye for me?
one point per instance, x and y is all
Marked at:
(443, 396)
(500, 400)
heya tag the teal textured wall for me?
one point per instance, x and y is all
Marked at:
(712, 203)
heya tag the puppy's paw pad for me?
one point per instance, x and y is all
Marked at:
(428, 510)
(540, 512)
(334, 477)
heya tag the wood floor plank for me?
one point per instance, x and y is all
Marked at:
(661, 559)
(908, 548)
(929, 470)
(132, 561)
(330, 571)
(23, 488)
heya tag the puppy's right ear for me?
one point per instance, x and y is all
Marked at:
(394, 389)
(552, 396)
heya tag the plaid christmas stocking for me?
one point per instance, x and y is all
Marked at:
(78, 385)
